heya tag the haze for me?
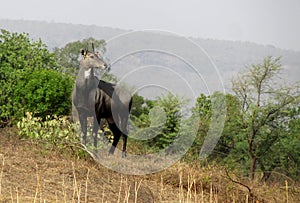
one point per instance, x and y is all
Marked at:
(265, 22)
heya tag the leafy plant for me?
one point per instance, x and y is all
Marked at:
(158, 120)
(56, 131)
(43, 92)
(265, 113)
(19, 58)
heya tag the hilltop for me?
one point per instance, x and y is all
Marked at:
(206, 55)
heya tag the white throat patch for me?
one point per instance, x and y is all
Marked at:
(87, 73)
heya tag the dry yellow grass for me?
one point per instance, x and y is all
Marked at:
(31, 173)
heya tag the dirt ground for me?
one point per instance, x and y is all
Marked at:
(33, 173)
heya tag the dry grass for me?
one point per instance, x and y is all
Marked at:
(31, 173)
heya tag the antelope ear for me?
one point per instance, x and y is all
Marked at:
(83, 52)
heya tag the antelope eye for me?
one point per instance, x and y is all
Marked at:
(92, 56)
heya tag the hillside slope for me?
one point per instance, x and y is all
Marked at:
(33, 172)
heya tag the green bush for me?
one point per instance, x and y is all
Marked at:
(59, 131)
(158, 120)
(44, 92)
(56, 131)
(29, 64)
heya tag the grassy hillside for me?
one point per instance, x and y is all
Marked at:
(33, 172)
(54, 170)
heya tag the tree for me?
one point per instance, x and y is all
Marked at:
(157, 121)
(140, 106)
(171, 105)
(231, 145)
(69, 55)
(262, 129)
(203, 111)
(266, 114)
(19, 55)
(290, 160)
(231, 141)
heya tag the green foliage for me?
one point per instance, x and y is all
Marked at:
(44, 92)
(53, 131)
(204, 109)
(19, 57)
(285, 153)
(275, 145)
(69, 56)
(171, 105)
(18, 52)
(140, 109)
(159, 120)
(56, 130)
(265, 117)
(232, 141)
(139, 106)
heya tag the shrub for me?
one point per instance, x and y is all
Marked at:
(158, 121)
(55, 132)
(59, 131)
(19, 58)
(43, 92)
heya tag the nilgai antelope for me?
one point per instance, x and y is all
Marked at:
(101, 100)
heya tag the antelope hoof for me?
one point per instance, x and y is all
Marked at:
(112, 150)
(124, 154)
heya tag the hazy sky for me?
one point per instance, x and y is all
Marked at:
(274, 22)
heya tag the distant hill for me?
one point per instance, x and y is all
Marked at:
(58, 34)
(161, 58)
